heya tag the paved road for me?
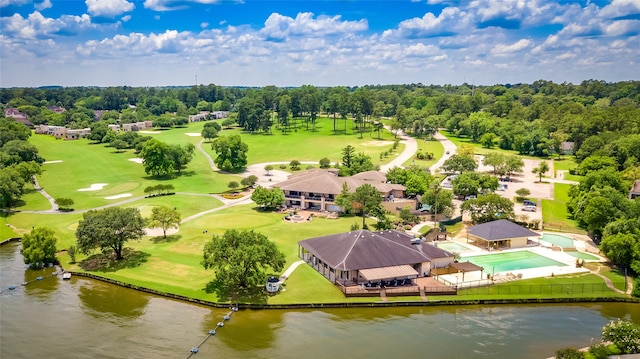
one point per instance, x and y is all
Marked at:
(449, 150)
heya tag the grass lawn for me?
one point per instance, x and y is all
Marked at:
(84, 164)
(424, 146)
(554, 212)
(6, 232)
(479, 150)
(567, 163)
(562, 286)
(616, 277)
(306, 145)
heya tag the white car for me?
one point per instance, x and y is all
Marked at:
(530, 208)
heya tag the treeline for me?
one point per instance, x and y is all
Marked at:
(533, 119)
(19, 162)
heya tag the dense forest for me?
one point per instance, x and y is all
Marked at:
(596, 122)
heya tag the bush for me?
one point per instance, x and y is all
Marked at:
(355, 227)
(623, 334)
(601, 351)
(325, 162)
(569, 353)
(283, 166)
(72, 254)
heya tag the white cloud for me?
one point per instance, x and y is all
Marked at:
(281, 27)
(46, 4)
(108, 8)
(168, 5)
(450, 21)
(502, 49)
(4, 3)
(125, 18)
(204, 25)
(38, 26)
(620, 8)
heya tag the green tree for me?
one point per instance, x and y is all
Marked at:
(268, 168)
(109, 228)
(344, 199)
(268, 198)
(474, 183)
(242, 259)
(295, 165)
(366, 199)
(459, 164)
(542, 168)
(325, 162)
(233, 185)
(249, 181)
(495, 159)
(39, 247)
(11, 186)
(72, 251)
(488, 208)
(165, 218)
(522, 193)
(156, 157)
(210, 130)
(119, 145)
(64, 203)
(181, 155)
(512, 165)
(231, 153)
(441, 202)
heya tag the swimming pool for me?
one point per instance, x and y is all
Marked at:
(558, 240)
(452, 247)
(508, 261)
(582, 255)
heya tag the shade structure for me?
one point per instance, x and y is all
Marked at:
(388, 272)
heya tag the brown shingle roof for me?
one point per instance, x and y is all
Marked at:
(636, 187)
(324, 181)
(363, 249)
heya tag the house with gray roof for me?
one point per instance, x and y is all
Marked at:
(500, 234)
(361, 257)
(317, 189)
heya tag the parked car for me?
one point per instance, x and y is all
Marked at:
(527, 202)
(473, 196)
(530, 208)
(502, 187)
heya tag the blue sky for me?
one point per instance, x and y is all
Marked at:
(322, 43)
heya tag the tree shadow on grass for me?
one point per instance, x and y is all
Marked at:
(106, 262)
(170, 239)
(242, 295)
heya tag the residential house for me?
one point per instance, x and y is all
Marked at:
(202, 116)
(635, 190)
(61, 132)
(115, 128)
(137, 126)
(361, 257)
(18, 116)
(56, 109)
(318, 189)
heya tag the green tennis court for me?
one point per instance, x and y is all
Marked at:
(452, 247)
(508, 261)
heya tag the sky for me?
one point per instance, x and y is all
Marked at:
(320, 43)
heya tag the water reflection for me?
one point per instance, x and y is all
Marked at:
(247, 329)
(41, 288)
(105, 300)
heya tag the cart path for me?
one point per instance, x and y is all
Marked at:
(290, 270)
(36, 185)
(206, 155)
(612, 287)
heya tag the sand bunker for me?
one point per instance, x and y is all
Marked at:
(157, 231)
(94, 187)
(150, 132)
(136, 160)
(377, 143)
(56, 161)
(122, 195)
(192, 134)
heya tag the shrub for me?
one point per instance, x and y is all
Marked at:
(325, 162)
(283, 166)
(569, 353)
(72, 253)
(355, 227)
(623, 334)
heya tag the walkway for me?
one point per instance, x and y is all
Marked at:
(612, 287)
(290, 270)
(206, 155)
(36, 185)
(410, 149)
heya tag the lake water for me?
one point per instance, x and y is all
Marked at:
(83, 318)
